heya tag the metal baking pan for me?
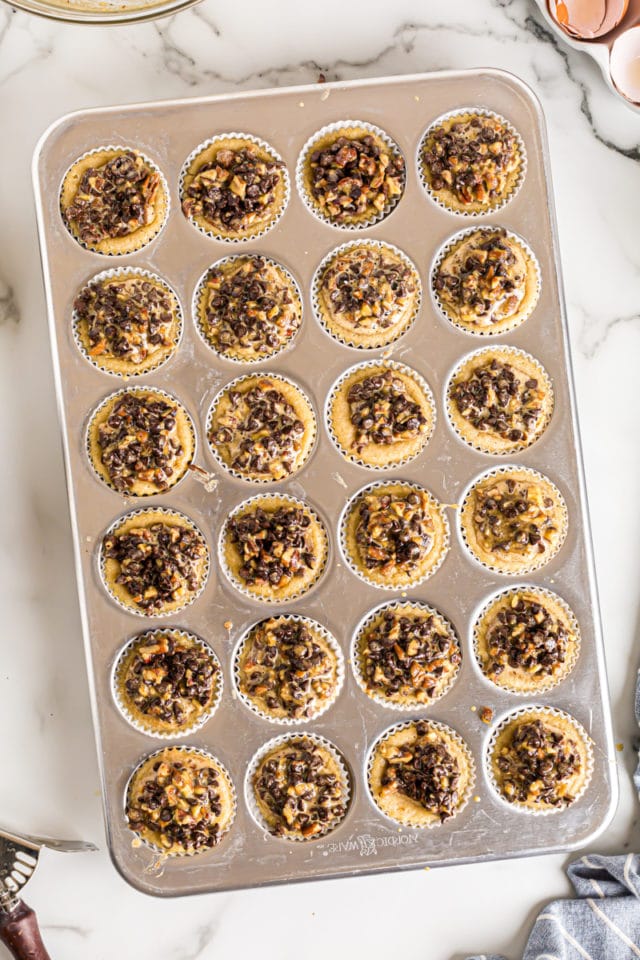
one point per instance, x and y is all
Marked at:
(365, 841)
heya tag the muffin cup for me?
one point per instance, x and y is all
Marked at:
(509, 718)
(342, 531)
(262, 145)
(237, 584)
(234, 384)
(356, 660)
(325, 263)
(449, 246)
(461, 113)
(163, 190)
(508, 353)
(225, 774)
(140, 389)
(137, 723)
(560, 505)
(551, 682)
(266, 748)
(125, 273)
(335, 128)
(329, 639)
(372, 365)
(175, 514)
(198, 295)
(370, 756)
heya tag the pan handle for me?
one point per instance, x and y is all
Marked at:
(20, 932)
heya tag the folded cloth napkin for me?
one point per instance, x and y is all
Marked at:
(603, 923)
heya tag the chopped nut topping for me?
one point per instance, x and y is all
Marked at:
(485, 281)
(525, 636)
(367, 289)
(299, 785)
(394, 530)
(486, 714)
(514, 516)
(260, 434)
(275, 545)
(234, 189)
(127, 319)
(114, 199)
(407, 655)
(424, 771)
(250, 308)
(474, 160)
(139, 441)
(287, 669)
(159, 564)
(355, 178)
(496, 398)
(382, 411)
(169, 679)
(536, 763)
(181, 806)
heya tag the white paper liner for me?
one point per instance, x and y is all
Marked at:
(236, 583)
(546, 683)
(581, 734)
(175, 515)
(144, 390)
(316, 628)
(163, 187)
(559, 503)
(326, 261)
(408, 724)
(476, 112)
(508, 354)
(224, 774)
(282, 740)
(233, 385)
(137, 723)
(448, 247)
(373, 365)
(342, 530)
(307, 199)
(263, 145)
(356, 659)
(198, 294)
(125, 273)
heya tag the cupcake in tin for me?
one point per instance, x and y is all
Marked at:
(526, 640)
(394, 534)
(273, 548)
(141, 441)
(380, 414)
(366, 294)
(127, 322)
(540, 760)
(248, 308)
(471, 161)
(154, 562)
(261, 427)
(167, 682)
(513, 520)
(406, 655)
(351, 174)
(420, 774)
(499, 400)
(288, 668)
(114, 200)
(299, 788)
(234, 187)
(180, 801)
(486, 281)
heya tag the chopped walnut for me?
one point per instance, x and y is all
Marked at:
(355, 178)
(425, 771)
(394, 530)
(514, 516)
(382, 411)
(367, 289)
(496, 398)
(274, 545)
(522, 634)
(536, 763)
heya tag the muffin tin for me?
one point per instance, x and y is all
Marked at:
(365, 841)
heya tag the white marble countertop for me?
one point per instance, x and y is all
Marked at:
(49, 778)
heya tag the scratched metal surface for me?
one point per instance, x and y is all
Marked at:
(365, 841)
